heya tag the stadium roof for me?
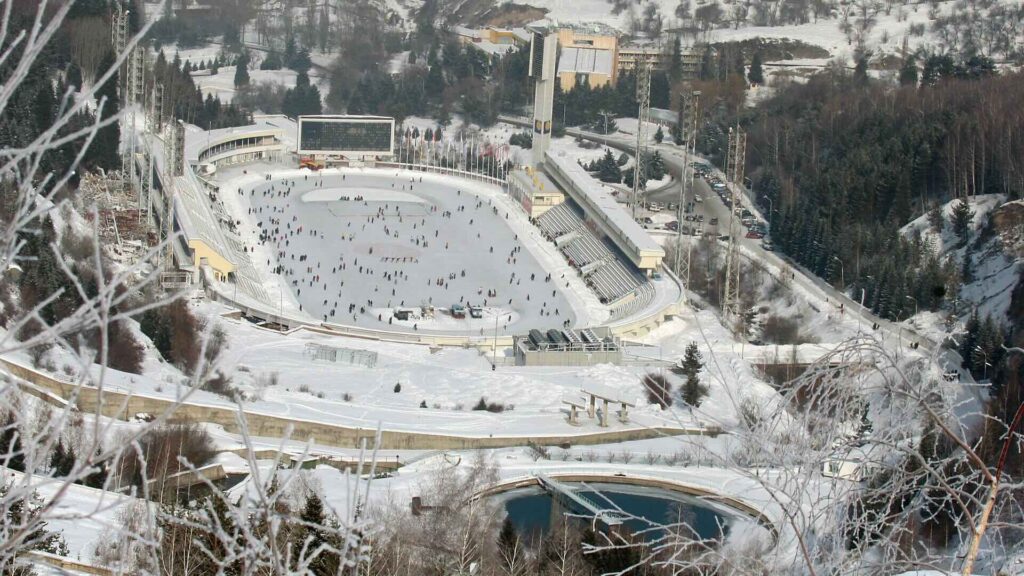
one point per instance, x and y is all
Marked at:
(585, 61)
(595, 197)
(197, 139)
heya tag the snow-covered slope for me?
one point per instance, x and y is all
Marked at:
(995, 246)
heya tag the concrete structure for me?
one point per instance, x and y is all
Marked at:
(543, 53)
(603, 213)
(595, 392)
(493, 40)
(533, 191)
(586, 347)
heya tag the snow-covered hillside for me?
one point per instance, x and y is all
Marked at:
(995, 246)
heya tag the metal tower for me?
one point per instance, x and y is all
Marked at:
(735, 161)
(689, 112)
(643, 98)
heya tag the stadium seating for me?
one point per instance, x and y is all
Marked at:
(560, 220)
(604, 271)
(644, 296)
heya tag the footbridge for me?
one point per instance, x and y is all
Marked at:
(572, 499)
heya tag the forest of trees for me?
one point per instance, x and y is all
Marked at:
(847, 163)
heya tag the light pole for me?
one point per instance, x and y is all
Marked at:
(915, 304)
(842, 272)
(984, 354)
(494, 361)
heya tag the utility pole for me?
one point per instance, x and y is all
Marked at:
(643, 98)
(734, 165)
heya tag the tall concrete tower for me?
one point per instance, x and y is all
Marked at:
(543, 54)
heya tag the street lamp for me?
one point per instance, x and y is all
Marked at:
(842, 271)
(984, 354)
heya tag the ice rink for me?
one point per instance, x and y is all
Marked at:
(355, 246)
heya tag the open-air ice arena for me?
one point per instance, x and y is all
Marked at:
(401, 248)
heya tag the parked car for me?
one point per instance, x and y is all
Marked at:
(754, 234)
(673, 226)
(714, 222)
(654, 207)
(767, 245)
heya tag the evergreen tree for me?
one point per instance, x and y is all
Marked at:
(435, 83)
(608, 169)
(98, 477)
(961, 219)
(11, 453)
(104, 151)
(325, 27)
(62, 460)
(655, 166)
(908, 71)
(74, 76)
(271, 62)
(675, 71)
(756, 72)
(24, 512)
(860, 68)
(966, 269)
(659, 136)
(707, 64)
(242, 70)
(660, 96)
(693, 361)
(739, 64)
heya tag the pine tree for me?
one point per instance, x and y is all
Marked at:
(62, 460)
(756, 72)
(655, 166)
(659, 136)
(98, 477)
(707, 64)
(242, 70)
(739, 64)
(961, 219)
(966, 268)
(860, 68)
(325, 27)
(908, 71)
(675, 71)
(24, 512)
(104, 151)
(608, 170)
(693, 361)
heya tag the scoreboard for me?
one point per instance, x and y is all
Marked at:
(353, 136)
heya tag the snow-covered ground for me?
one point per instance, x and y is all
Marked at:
(995, 269)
